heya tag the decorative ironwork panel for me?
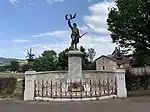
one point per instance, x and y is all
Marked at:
(81, 89)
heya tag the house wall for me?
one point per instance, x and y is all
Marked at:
(105, 64)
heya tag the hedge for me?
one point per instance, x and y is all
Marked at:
(7, 85)
(137, 82)
(23, 86)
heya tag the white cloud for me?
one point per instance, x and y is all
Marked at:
(99, 14)
(30, 4)
(20, 40)
(96, 23)
(53, 33)
(54, 1)
(39, 48)
(101, 44)
(14, 2)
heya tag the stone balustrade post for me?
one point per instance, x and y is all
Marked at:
(121, 84)
(29, 85)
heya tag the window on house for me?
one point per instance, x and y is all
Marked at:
(104, 68)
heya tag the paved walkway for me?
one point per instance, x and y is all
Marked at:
(136, 104)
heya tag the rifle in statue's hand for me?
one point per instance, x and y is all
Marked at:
(83, 35)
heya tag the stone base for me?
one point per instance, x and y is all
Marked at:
(75, 99)
(28, 95)
(74, 66)
(122, 93)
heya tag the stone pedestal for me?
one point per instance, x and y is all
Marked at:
(74, 66)
(29, 85)
(121, 84)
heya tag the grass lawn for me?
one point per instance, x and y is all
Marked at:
(15, 75)
(18, 93)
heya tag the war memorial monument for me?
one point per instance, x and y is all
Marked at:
(75, 84)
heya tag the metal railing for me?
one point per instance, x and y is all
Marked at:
(87, 89)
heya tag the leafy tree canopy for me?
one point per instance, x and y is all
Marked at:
(47, 62)
(129, 24)
(14, 66)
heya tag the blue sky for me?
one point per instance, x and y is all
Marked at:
(40, 24)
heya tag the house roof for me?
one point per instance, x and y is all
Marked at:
(111, 57)
(108, 57)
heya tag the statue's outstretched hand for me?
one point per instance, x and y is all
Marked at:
(70, 16)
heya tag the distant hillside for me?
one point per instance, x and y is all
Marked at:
(6, 61)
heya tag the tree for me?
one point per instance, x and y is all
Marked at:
(38, 64)
(50, 59)
(141, 58)
(4, 68)
(63, 59)
(129, 24)
(14, 66)
(47, 62)
(91, 54)
(30, 59)
(24, 68)
(85, 61)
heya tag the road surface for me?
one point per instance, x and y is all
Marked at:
(134, 104)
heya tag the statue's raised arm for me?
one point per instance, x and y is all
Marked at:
(69, 24)
(69, 19)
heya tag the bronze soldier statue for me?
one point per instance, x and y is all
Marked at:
(75, 35)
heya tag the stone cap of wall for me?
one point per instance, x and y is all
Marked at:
(120, 70)
(98, 71)
(30, 72)
(84, 71)
(48, 72)
(105, 71)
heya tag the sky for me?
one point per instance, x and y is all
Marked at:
(41, 25)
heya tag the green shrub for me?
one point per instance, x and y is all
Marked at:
(145, 81)
(137, 82)
(23, 86)
(7, 85)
